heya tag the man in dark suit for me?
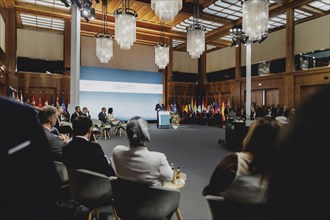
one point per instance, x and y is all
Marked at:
(103, 115)
(29, 181)
(76, 113)
(159, 107)
(80, 153)
(47, 116)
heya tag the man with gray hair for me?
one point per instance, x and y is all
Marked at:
(48, 118)
(136, 162)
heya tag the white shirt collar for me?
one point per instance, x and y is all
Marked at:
(78, 136)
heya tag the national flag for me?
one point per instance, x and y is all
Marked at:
(182, 105)
(21, 97)
(51, 102)
(195, 104)
(168, 108)
(174, 105)
(199, 106)
(207, 104)
(223, 111)
(46, 99)
(57, 100)
(33, 101)
(40, 102)
(63, 103)
(192, 104)
(216, 111)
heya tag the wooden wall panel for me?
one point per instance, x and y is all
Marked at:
(272, 97)
(256, 97)
(40, 84)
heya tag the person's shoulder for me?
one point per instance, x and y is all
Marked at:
(120, 148)
(157, 154)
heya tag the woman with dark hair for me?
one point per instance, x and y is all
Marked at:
(243, 176)
(136, 162)
(300, 174)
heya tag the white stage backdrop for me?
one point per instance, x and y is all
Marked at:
(129, 93)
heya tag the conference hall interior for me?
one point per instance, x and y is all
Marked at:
(195, 86)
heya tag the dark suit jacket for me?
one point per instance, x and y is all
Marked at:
(74, 116)
(29, 181)
(82, 154)
(159, 107)
(56, 145)
(103, 117)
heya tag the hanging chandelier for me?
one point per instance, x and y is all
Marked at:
(162, 52)
(125, 26)
(166, 10)
(196, 35)
(255, 19)
(104, 41)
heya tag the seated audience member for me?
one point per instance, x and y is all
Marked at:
(135, 162)
(299, 181)
(29, 181)
(114, 122)
(62, 124)
(48, 118)
(76, 113)
(103, 116)
(80, 153)
(85, 112)
(243, 176)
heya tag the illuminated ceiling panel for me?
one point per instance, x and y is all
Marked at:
(42, 22)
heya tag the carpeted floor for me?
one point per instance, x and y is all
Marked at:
(195, 149)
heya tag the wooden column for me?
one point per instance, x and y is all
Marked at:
(289, 40)
(67, 46)
(201, 75)
(11, 46)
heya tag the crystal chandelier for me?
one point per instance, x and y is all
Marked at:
(196, 35)
(166, 10)
(162, 52)
(255, 19)
(104, 42)
(125, 26)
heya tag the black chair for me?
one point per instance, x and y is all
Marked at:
(90, 189)
(222, 208)
(138, 201)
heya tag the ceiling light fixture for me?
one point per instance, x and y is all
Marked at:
(125, 26)
(196, 35)
(162, 52)
(166, 10)
(104, 41)
(255, 18)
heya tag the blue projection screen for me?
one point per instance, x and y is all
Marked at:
(129, 93)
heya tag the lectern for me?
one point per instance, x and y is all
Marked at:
(164, 119)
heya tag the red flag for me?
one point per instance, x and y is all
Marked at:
(39, 102)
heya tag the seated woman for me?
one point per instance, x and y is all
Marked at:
(136, 162)
(115, 122)
(243, 176)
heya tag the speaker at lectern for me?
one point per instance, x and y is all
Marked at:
(164, 119)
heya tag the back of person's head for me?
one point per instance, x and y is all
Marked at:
(110, 110)
(81, 125)
(47, 114)
(260, 142)
(299, 181)
(137, 131)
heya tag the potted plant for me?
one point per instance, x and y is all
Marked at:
(175, 120)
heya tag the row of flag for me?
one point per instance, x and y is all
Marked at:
(15, 94)
(194, 104)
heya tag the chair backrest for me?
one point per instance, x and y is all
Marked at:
(62, 172)
(134, 200)
(89, 188)
(97, 122)
(222, 208)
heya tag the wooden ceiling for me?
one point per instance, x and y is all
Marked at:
(148, 24)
